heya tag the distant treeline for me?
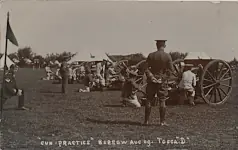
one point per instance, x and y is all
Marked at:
(136, 58)
(25, 57)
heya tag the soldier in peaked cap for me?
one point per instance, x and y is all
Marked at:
(159, 64)
(64, 72)
(10, 88)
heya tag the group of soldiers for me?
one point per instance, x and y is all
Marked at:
(9, 88)
(93, 78)
(159, 68)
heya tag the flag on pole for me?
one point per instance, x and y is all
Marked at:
(92, 56)
(10, 35)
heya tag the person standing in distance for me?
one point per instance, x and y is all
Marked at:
(64, 72)
(159, 66)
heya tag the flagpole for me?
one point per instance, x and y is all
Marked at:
(4, 68)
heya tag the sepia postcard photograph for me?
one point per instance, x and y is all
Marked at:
(118, 75)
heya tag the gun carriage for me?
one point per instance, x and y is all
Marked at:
(214, 77)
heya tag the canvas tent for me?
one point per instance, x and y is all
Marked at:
(27, 61)
(9, 62)
(197, 58)
(89, 57)
(197, 55)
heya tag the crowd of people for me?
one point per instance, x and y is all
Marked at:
(101, 74)
(94, 75)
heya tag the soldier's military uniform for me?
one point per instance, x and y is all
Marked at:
(158, 69)
(10, 88)
(129, 90)
(64, 72)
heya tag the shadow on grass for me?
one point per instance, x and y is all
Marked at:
(125, 122)
(113, 89)
(52, 92)
(10, 108)
(56, 82)
(112, 105)
(15, 108)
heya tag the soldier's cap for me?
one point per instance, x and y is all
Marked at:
(13, 66)
(161, 41)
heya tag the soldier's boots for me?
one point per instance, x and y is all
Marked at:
(147, 115)
(191, 100)
(21, 100)
(162, 116)
(23, 108)
(155, 101)
(123, 103)
(63, 91)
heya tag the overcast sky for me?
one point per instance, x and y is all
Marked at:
(123, 27)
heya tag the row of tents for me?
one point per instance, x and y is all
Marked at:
(92, 57)
(80, 57)
(88, 57)
(9, 62)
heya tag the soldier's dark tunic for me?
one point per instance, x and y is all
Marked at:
(64, 72)
(10, 88)
(159, 66)
(159, 63)
(88, 79)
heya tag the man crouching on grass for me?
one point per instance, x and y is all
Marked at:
(10, 88)
(129, 91)
(187, 85)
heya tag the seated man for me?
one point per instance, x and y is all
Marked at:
(129, 91)
(187, 84)
(88, 81)
(110, 74)
(48, 73)
(70, 78)
(74, 71)
(10, 88)
(100, 74)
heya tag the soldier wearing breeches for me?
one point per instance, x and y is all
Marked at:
(10, 88)
(64, 74)
(158, 69)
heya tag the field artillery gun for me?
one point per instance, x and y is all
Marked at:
(214, 77)
(116, 79)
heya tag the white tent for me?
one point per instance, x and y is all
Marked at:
(15, 60)
(197, 55)
(89, 57)
(28, 61)
(9, 62)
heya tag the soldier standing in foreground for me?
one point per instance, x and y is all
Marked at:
(64, 74)
(10, 88)
(159, 65)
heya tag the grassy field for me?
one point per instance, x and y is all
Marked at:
(84, 120)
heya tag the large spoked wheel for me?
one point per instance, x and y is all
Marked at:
(216, 82)
(140, 63)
